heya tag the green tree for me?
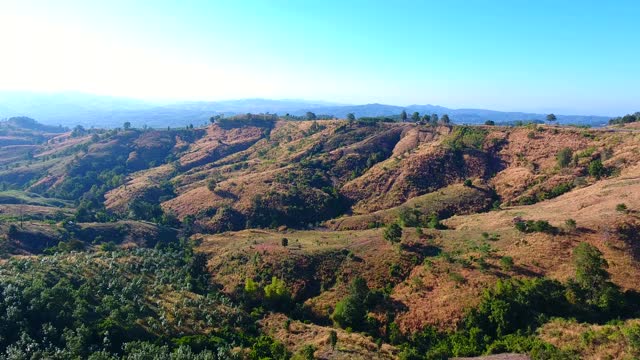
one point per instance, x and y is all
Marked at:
(126, 125)
(351, 117)
(393, 233)
(276, 294)
(551, 117)
(403, 116)
(591, 286)
(415, 116)
(445, 119)
(596, 169)
(351, 311)
(251, 287)
(310, 116)
(434, 119)
(564, 157)
(591, 266)
(490, 122)
(333, 339)
(359, 289)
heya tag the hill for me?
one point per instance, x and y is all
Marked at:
(260, 237)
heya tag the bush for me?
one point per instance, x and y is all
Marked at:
(622, 208)
(284, 242)
(633, 337)
(333, 338)
(490, 122)
(393, 233)
(351, 311)
(276, 294)
(565, 157)
(530, 226)
(571, 224)
(468, 183)
(211, 184)
(466, 137)
(306, 353)
(506, 263)
(596, 169)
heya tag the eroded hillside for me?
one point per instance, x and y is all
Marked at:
(311, 204)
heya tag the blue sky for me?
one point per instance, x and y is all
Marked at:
(563, 56)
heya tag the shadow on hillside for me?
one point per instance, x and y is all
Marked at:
(520, 270)
(226, 194)
(423, 250)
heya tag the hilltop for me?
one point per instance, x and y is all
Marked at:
(437, 229)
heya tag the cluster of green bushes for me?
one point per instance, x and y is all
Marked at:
(548, 194)
(466, 137)
(412, 217)
(274, 295)
(508, 314)
(101, 307)
(531, 226)
(351, 313)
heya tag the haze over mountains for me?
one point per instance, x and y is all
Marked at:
(70, 109)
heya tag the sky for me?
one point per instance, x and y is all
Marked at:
(579, 57)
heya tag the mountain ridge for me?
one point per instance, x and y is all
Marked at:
(70, 109)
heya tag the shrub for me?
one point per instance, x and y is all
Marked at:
(591, 286)
(306, 353)
(571, 224)
(276, 294)
(333, 338)
(466, 137)
(506, 263)
(393, 233)
(490, 122)
(468, 183)
(284, 242)
(531, 226)
(633, 337)
(433, 222)
(350, 312)
(596, 169)
(395, 270)
(457, 277)
(211, 184)
(251, 288)
(409, 217)
(565, 156)
(621, 208)
(108, 246)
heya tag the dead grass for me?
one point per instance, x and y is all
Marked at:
(590, 342)
(349, 345)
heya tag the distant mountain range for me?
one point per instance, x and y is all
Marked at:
(70, 109)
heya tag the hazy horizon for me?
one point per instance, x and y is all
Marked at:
(537, 57)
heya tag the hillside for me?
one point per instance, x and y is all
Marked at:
(260, 237)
